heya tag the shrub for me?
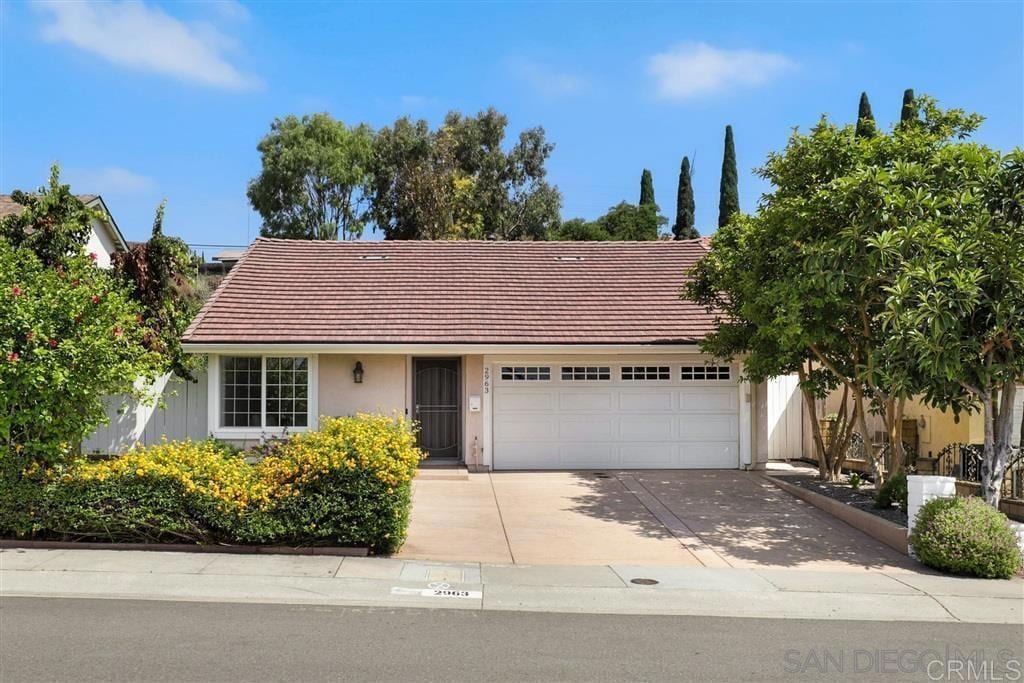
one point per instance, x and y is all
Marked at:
(856, 481)
(893, 490)
(966, 536)
(347, 484)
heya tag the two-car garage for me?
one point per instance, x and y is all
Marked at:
(602, 415)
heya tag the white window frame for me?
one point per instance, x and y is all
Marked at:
(251, 433)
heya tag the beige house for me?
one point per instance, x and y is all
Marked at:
(509, 355)
(105, 237)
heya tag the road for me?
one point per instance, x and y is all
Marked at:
(55, 639)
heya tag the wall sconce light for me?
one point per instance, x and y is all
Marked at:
(357, 372)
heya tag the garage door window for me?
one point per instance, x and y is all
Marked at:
(704, 372)
(586, 373)
(522, 373)
(645, 372)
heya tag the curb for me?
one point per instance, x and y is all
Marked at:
(185, 548)
(892, 535)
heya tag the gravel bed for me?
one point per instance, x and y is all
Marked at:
(862, 498)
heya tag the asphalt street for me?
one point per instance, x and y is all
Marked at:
(56, 639)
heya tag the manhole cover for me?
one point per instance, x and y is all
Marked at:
(644, 582)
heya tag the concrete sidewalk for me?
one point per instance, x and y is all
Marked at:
(608, 589)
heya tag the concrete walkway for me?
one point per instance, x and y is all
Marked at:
(689, 518)
(610, 589)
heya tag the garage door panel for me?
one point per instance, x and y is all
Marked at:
(520, 400)
(585, 429)
(649, 456)
(632, 428)
(581, 399)
(645, 401)
(530, 456)
(710, 400)
(710, 454)
(587, 456)
(709, 428)
(526, 429)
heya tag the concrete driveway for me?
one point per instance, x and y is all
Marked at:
(686, 518)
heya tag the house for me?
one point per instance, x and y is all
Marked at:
(509, 355)
(105, 237)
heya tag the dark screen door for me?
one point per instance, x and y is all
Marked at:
(435, 392)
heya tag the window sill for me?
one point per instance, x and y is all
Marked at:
(254, 434)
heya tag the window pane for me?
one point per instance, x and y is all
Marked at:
(287, 391)
(240, 384)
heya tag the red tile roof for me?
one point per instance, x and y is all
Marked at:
(296, 291)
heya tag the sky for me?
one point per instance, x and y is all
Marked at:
(142, 101)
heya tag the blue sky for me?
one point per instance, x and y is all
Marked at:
(141, 101)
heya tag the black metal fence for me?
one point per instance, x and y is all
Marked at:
(963, 461)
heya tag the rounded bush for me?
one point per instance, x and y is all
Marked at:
(966, 536)
(893, 490)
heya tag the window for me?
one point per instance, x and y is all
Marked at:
(240, 389)
(642, 372)
(264, 392)
(704, 372)
(522, 373)
(287, 392)
(586, 373)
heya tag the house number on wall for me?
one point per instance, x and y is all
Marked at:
(487, 379)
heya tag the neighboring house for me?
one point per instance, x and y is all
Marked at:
(509, 355)
(105, 237)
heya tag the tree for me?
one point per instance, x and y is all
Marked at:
(312, 182)
(957, 303)
(646, 188)
(580, 230)
(70, 333)
(865, 119)
(683, 228)
(160, 274)
(909, 110)
(469, 173)
(729, 193)
(623, 222)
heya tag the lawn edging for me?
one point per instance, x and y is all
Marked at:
(13, 544)
(892, 535)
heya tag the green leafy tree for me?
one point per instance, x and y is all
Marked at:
(161, 275)
(646, 188)
(957, 302)
(70, 333)
(466, 167)
(683, 228)
(312, 183)
(865, 119)
(729, 192)
(908, 112)
(580, 230)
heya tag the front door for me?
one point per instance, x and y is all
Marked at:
(436, 405)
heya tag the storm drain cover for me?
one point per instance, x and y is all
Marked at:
(644, 582)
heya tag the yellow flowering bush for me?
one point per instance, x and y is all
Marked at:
(349, 483)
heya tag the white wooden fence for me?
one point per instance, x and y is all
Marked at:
(785, 418)
(179, 414)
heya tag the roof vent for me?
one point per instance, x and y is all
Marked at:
(568, 258)
(373, 257)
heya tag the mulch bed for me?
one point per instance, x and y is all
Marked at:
(862, 498)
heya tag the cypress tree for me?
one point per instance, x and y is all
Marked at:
(865, 119)
(646, 188)
(909, 111)
(683, 228)
(729, 191)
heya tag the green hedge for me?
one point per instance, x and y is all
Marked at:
(965, 536)
(347, 484)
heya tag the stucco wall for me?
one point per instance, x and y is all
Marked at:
(473, 385)
(101, 244)
(383, 390)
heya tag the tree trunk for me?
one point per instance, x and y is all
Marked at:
(877, 472)
(897, 456)
(998, 413)
(812, 411)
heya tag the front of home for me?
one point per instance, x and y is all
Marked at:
(509, 355)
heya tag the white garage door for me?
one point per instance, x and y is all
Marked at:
(605, 416)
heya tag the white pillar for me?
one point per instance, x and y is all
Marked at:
(921, 489)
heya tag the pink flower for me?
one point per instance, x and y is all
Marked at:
(93, 256)
(30, 335)
(118, 331)
(52, 343)
(16, 290)
(95, 298)
(13, 356)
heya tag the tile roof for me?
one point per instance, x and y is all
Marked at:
(297, 291)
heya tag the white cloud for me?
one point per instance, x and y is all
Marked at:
(545, 80)
(695, 69)
(108, 181)
(137, 36)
